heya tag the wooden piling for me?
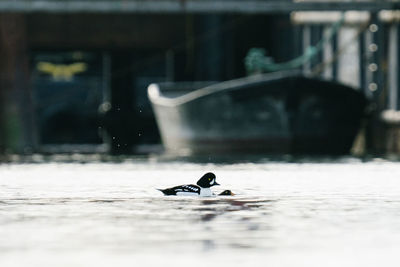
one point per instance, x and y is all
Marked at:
(16, 112)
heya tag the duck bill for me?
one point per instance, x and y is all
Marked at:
(215, 183)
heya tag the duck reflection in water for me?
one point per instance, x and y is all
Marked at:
(215, 207)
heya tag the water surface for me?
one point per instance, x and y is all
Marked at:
(343, 213)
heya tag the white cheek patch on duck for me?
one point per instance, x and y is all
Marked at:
(212, 182)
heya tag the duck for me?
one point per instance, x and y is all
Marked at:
(202, 188)
(226, 193)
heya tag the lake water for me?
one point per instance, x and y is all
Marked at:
(340, 213)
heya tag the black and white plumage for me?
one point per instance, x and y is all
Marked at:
(201, 188)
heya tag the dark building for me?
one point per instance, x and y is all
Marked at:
(77, 75)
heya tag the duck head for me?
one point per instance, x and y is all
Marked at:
(226, 193)
(207, 180)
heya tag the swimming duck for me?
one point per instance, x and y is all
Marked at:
(201, 188)
(226, 193)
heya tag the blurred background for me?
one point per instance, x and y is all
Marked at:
(74, 74)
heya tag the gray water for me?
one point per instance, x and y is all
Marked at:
(345, 213)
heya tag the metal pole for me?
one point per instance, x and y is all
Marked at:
(393, 66)
(306, 45)
(328, 54)
(376, 48)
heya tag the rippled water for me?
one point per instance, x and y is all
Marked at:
(344, 213)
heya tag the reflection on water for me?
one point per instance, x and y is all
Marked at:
(284, 214)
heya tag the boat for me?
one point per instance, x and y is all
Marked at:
(273, 113)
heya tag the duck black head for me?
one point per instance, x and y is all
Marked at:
(226, 193)
(207, 180)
